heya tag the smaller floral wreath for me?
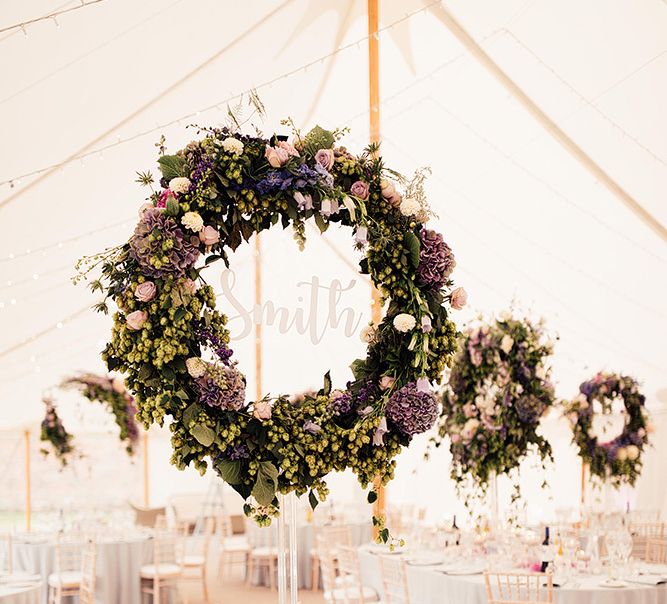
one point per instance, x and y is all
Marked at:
(107, 389)
(54, 433)
(498, 391)
(619, 459)
(110, 391)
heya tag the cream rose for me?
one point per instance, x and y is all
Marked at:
(233, 146)
(135, 320)
(410, 207)
(506, 343)
(386, 382)
(145, 292)
(209, 235)
(469, 429)
(192, 221)
(196, 367)
(180, 184)
(367, 334)
(459, 298)
(404, 322)
(262, 410)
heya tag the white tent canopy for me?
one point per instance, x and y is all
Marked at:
(526, 221)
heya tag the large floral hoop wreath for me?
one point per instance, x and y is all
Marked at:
(173, 345)
(106, 389)
(618, 460)
(499, 389)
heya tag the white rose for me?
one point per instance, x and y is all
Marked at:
(233, 146)
(505, 315)
(622, 454)
(540, 372)
(367, 334)
(633, 452)
(410, 207)
(506, 343)
(196, 367)
(469, 428)
(180, 184)
(404, 322)
(192, 221)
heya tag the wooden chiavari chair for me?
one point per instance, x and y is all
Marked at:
(234, 549)
(263, 554)
(88, 575)
(351, 590)
(643, 531)
(166, 570)
(656, 551)
(67, 579)
(193, 555)
(331, 536)
(394, 580)
(519, 588)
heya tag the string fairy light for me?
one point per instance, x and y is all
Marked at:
(23, 26)
(14, 181)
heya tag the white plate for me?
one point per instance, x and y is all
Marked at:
(425, 561)
(462, 570)
(383, 550)
(613, 583)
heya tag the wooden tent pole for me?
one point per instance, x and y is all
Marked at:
(258, 324)
(379, 507)
(146, 479)
(28, 492)
(547, 123)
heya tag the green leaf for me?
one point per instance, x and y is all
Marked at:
(265, 486)
(411, 241)
(312, 499)
(322, 224)
(203, 434)
(318, 138)
(144, 372)
(191, 412)
(384, 535)
(230, 471)
(212, 258)
(358, 368)
(372, 497)
(326, 390)
(182, 394)
(168, 373)
(179, 314)
(172, 166)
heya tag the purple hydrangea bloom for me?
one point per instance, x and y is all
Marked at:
(229, 395)
(412, 411)
(181, 255)
(341, 403)
(436, 260)
(529, 408)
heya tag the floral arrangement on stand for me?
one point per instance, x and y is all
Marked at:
(173, 345)
(499, 389)
(619, 460)
(54, 433)
(110, 391)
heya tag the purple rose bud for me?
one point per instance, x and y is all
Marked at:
(360, 189)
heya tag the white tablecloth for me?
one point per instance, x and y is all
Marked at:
(360, 533)
(20, 595)
(429, 586)
(118, 563)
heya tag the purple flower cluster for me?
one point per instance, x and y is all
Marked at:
(436, 260)
(207, 337)
(412, 411)
(281, 180)
(228, 393)
(236, 452)
(529, 408)
(157, 236)
(341, 403)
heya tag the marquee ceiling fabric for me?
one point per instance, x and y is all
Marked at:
(526, 221)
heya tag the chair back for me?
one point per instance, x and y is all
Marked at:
(519, 588)
(88, 573)
(69, 552)
(224, 525)
(656, 551)
(147, 516)
(327, 564)
(335, 535)
(394, 580)
(643, 531)
(350, 575)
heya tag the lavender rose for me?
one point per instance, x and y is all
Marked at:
(325, 157)
(145, 291)
(459, 298)
(360, 189)
(276, 156)
(135, 320)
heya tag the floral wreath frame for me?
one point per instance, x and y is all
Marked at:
(498, 390)
(619, 459)
(173, 345)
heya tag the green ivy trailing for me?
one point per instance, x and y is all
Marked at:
(173, 345)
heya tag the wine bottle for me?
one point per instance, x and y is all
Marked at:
(545, 551)
(456, 531)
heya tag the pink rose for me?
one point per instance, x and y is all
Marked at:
(459, 298)
(325, 157)
(262, 410)
(208, 235)
(390, 193)
(276, 156)
(360, 189)
(455, 438)
(386, 382)
(190, 286)
(145, 291)
(135, 320)
(289, 147)
(162, 200)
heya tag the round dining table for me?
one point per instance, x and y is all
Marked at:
(431, 584)
(118, 562)
(20, 592)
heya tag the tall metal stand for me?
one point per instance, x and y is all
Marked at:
(288, 581)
